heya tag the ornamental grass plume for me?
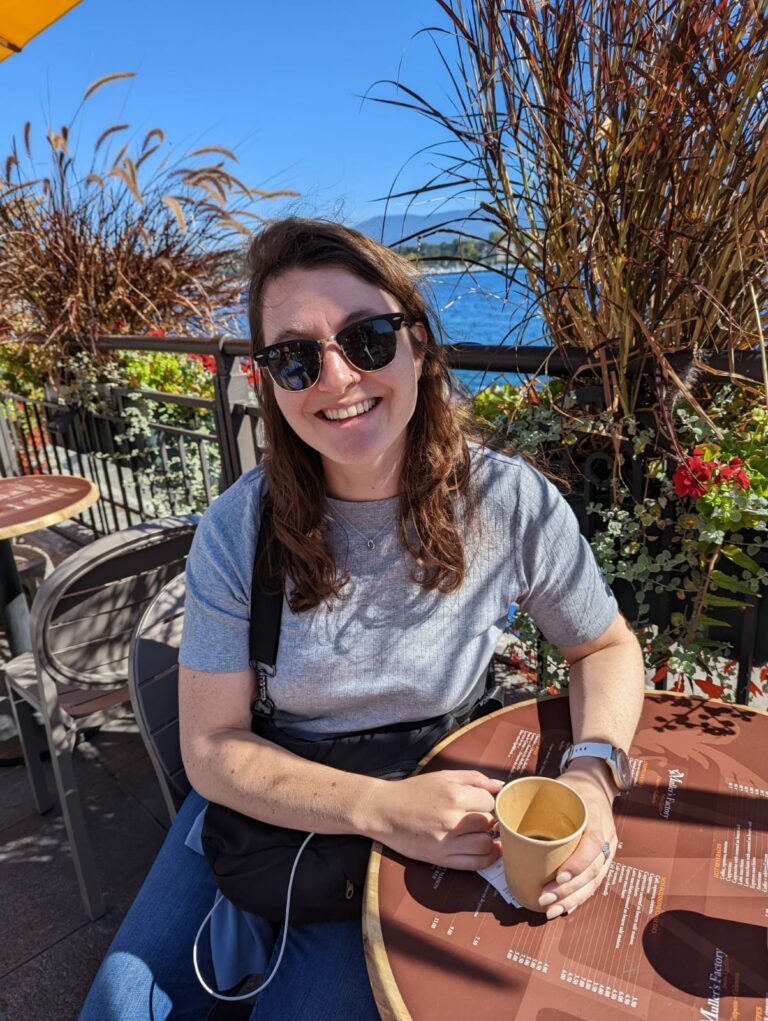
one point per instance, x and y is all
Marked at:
(137, 240)
(620, 152)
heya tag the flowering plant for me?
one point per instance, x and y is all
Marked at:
(696, 476)
(687, 553)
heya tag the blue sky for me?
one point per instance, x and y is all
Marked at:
(279, 82)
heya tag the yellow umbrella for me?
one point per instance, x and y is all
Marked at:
(22, 20)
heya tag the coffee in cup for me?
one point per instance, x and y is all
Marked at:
(540, 821)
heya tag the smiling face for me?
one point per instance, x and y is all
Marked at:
(355, 420)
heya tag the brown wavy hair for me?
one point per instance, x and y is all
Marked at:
(436, 493)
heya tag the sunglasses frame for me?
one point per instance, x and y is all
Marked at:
(396, 321)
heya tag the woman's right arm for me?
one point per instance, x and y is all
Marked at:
(444, 817)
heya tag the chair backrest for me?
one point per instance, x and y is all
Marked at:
(153, 681)
(85, 612)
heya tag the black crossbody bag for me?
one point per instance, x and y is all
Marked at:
(252, 860)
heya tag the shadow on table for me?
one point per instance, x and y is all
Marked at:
(408, 944)
(462, 892)
(708, 957)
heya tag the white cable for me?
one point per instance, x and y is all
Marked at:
(217, 901)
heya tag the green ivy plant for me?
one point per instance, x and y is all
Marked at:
(696, 538)
(92, 387)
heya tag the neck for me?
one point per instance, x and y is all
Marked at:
(346, 482)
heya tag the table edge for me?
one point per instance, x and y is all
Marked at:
(382, 979)
(386, 993)
(24, 527)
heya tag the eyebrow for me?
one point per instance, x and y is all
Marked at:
(299, 333)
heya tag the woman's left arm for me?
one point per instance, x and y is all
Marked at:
(606, 697)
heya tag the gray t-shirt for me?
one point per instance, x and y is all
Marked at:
(389, 651)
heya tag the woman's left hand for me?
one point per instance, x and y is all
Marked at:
(581, 874)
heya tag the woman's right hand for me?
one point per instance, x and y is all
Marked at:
(444, 818)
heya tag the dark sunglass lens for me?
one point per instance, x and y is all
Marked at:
(369, 345)
(294, 366)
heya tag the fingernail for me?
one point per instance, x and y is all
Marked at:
(563, 877)
(554, 912)
(547, 898)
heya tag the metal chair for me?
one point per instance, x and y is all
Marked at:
(33, 566)
(76, 677)
(153, 682)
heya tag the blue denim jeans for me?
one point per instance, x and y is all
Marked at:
(147, 974)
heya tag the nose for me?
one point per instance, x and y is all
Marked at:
(337, 374)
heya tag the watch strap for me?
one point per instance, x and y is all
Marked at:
(599, 749)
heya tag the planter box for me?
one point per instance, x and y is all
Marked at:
(746, 633)
(75, 428)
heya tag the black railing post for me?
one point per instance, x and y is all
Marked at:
(230, 397)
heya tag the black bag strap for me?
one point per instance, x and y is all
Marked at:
(266, 611)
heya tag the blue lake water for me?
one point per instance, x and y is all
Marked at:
(473, 308)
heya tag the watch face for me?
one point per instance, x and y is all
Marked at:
(623, 767)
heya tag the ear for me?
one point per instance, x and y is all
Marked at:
(418, 346)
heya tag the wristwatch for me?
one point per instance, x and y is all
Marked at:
(615, 758)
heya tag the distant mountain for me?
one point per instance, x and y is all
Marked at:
(398, 225)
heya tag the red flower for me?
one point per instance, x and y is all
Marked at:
(119, 326)
(701, 470)
(253, 372)
(741, 479)
(157, 332)
(693, 476)
(207, 361)
(686, 483)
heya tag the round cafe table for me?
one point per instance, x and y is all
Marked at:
(27, 503)
(678, 928)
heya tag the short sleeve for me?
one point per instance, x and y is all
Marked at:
(218, 581)
(563, 589)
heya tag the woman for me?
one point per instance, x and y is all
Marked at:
(401, 549)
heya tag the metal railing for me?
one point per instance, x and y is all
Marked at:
(173, 468)
(170, 464)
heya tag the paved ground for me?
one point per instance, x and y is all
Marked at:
(49, 950)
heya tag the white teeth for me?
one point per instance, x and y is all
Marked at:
(334, 414)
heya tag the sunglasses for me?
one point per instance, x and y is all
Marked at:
(368, 345)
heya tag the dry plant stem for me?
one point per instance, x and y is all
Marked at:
(763, 360)
(621, 150)
(702, 597)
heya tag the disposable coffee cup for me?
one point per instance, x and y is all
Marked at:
(541, 822)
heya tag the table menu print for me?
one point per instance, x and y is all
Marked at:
(738, 858)
(34, 496)
(678, 929)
